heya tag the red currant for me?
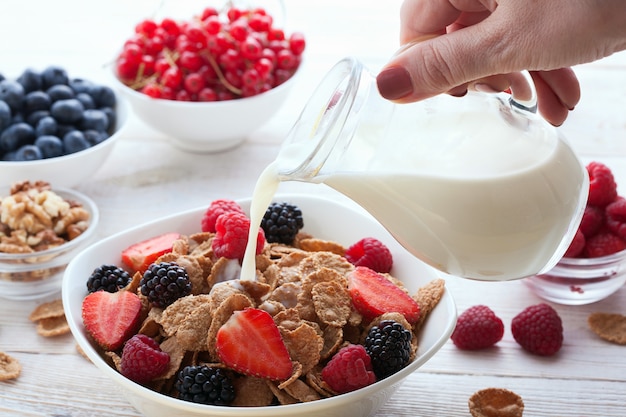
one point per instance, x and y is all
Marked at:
(297, 43)
(194, 82)
(172, 77)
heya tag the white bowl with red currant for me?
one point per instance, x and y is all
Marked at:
(211, 79)
(594, 265)
(320, 331)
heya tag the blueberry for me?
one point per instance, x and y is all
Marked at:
(50, 146)
(87, 101)
(12, 93)
(94, 137)
(28, 153)
(9, 156)
(103, 95)
(16, 136)
(5, 115)
(36, 100)
(2, 77)
(80, 85)
(63, 129)
(54, 75)
(68, 111)
(94, 120)
(60, 92)
(74, 141)
(110, 112)
(30, 80)
(46, 126)
(34, 118)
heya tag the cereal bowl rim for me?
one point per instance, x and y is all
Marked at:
(12, 261)
(446, 307)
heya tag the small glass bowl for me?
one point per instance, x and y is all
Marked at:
(578, 281)
(27, 276)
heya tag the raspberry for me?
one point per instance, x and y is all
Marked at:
(349, 369)
(216, 209)
(371, 253)
(142, 359)
(603, 244)
(109, 278)
(538, 329)
(282, 222)
(478, 327)
(164, 283)
(602, 187)
(389, 347)
(592, 220)
(616, 217)
(205, 385)
(231, 236)
(577, 246)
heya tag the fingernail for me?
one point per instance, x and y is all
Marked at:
(394, 83)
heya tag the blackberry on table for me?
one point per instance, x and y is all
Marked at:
(282, 222)
(165, 282)
(389, 347)
(110, 278)
(205, 385)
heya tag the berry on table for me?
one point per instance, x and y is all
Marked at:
(109, 278)
(389, 346)
(165, 282)
(231, 236)
(349, 369)
(282, 222)
(205, 385)
(372, 253)
(142, 359)
(478, 327)
(538, 329)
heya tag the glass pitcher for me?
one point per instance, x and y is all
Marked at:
(478, 187)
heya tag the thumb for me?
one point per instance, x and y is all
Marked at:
(441, 64)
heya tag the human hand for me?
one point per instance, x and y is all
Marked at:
(452, 45)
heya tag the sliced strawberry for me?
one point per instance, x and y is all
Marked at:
(372, 295)
(250, 343)
(139, 256)
(111, 318)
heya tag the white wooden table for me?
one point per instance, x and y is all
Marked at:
(146, 178)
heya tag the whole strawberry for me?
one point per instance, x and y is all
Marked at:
(478, 327)
(142, 359)
(538, 329)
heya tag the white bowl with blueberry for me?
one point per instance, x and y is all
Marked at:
(55, 127)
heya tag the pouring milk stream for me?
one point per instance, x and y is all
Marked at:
(479, 187)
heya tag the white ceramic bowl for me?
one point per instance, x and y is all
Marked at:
(207, 126)
(34, 275)
(67, 170)
(325, 219)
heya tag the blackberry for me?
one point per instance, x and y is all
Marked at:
(109, 278)
(204, 385)
(389, 347)
(164, 283)
(282, 222)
